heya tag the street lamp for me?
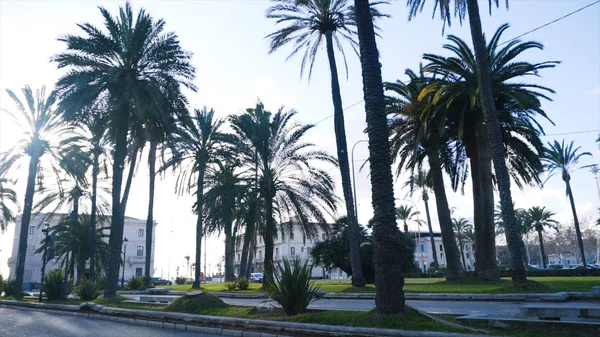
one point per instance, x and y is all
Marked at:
(354, 178)
(124, 255)
(45, 230)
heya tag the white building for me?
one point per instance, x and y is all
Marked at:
(134, 231)
(564, 260)
(424, 255)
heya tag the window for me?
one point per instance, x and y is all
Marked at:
(238, 257)
(31, 229)
(301, 249)
(259, 239)
(138, 272)
(441, 248)
(422, 248)
(292, 251)
(276, 251)
(260, 254)
(140, 251)
(308, 251)
(140, 233)
(467, 255)
(442, 255)
(323, 236)
(292, 235)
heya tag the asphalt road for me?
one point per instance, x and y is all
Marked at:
(30, 323)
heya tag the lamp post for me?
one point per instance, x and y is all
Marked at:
(354, 178)
(45, 230)
(124, 256)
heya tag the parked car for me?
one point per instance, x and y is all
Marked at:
(157, 281)
(554, 266)
(256, 277)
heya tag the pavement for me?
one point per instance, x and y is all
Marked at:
(33, 323)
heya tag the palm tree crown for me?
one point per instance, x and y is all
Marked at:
(561, 159)
(406, 214)
(8, 199)
(542, 218)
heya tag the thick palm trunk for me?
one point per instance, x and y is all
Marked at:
(494, 137)
(95, 171)
(358, 279)
(229, 251)
(542, 250)
(488, 269)
(475, 179)
(116, 228)
(248, 237)
(433, 249)
(150, 216)
(127, 189)
(25, 220)
(269, 232)
(199, 225)
(576, 222)
(454, 271)
(389, 281)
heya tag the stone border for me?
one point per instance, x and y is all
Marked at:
(224, 326)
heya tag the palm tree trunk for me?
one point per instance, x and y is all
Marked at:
(494, 137)
(462, 254)
(95, 170)
(269, 231)
(576, 222)
(199, 210)
(25, 220)
(488, 269)
(433, 249)
(127, 189)
(358, 279)
(476, 181)
(248, 236)
(542, 250)
(454, 271)
(150, 217)
(389, 281)
(229, 249)
(116, 228)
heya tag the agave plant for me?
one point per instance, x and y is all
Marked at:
(292, 286)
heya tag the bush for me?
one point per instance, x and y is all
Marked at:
(436, 272)
(8, 287)
(87, 290)
(101, 282)
(197, 303)
(180, 280)
(292, 287)
(242, 283)
(53, 284)
(135, 283)
(230, 286)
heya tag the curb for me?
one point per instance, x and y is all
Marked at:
(224, 326)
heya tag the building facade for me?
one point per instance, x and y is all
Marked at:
(135, 254)
(424, 254)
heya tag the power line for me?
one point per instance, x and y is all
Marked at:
(569, 133)
(346, 108)
(551, 22)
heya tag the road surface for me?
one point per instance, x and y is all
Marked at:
(30, 323)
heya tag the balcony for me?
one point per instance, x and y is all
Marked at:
(137, 259)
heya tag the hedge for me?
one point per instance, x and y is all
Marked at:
(530, 273)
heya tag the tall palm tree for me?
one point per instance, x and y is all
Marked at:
(517, 105)
(461, 227)
(561, 159)
(192, 150)
(44, 136)
(405, 214)
(493, 132)
(307, 24)
(290, 183)
(135, 63)
(8, 200)
(542, 218)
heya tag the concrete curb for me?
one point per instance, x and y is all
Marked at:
(224, 326)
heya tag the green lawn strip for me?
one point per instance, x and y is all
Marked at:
(254, 288)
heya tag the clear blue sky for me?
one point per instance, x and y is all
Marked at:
(233, 69)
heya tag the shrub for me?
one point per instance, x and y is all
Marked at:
(87, 290)
(436, 272)
(135, 283)
(101, 282)
(230, 286)
(53, 284)
(9, 287)
(180, 280)
(196, 303)
(2, 282)
(292, 287)
(242, 283)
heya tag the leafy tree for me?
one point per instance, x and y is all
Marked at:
(542, 218)
(135, 64)
(8, 200)
(49, 145)
(561, 159)
(290, 182)
(462, 227)
(493, 132)
(192, 150)
(307, 24)
(405, 214)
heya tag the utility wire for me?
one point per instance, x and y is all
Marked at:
(551, 22)
(569, 133)
(346, 108)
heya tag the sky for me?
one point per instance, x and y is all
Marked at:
(234, 69)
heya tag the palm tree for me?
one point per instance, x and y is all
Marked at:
(461, 227)
(44, 136)
(290, 183)
(561, 159)
(405, 214)
(517, 105)
(524, 227)
(135, 63)
(541, 218)
(8, 199)
(307, 24)
(493, 132)
(192, 150)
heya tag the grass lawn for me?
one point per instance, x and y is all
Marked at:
(439, 285)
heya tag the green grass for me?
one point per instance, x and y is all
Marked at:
(439, 285)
